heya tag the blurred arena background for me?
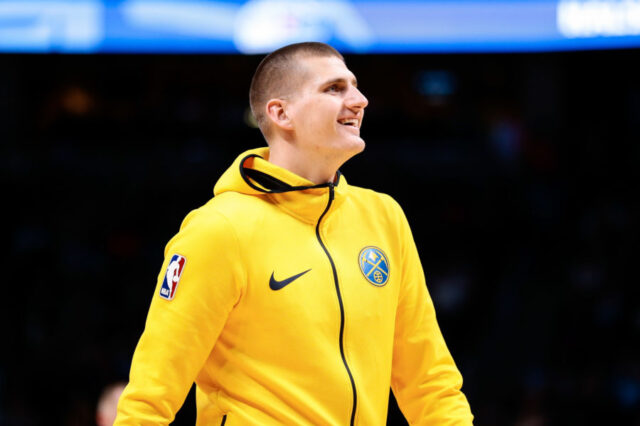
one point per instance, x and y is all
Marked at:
(509, 132)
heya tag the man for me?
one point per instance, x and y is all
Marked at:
(292, 297)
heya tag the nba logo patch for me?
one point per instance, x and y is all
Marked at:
(172, 277)
(374, 265)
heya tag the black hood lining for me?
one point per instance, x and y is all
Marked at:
(274, 185)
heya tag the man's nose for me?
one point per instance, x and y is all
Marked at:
(356, 100)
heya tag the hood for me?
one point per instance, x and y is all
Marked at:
(252, 174)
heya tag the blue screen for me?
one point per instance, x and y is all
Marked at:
(259, 26)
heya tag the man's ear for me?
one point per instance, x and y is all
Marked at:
(277, 113)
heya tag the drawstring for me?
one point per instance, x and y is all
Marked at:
(270, 180)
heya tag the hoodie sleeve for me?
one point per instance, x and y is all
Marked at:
(180, 333)
(425, 379)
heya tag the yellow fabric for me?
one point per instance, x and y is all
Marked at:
(268, 357)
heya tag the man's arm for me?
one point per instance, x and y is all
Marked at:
(425, 380)
(180, 333)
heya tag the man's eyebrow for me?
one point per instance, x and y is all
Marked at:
(354, 81)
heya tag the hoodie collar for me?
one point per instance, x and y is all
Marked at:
(252, 174)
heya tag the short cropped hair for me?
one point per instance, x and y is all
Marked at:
(273, 77)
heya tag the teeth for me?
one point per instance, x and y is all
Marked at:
(349, 121)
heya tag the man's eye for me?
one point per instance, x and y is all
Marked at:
(333, 88)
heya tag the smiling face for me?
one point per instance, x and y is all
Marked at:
(326, 110)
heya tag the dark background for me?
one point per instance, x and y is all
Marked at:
(518, 173)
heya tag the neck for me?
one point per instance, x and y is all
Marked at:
(313, 168)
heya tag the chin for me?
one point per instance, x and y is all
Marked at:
(345, 148)
(355, 147)
(359, 146)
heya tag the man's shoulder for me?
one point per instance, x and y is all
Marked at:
(231, 206)
(380, 202)
(372, 196)
(214, 213)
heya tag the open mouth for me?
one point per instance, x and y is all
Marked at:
(352, 122)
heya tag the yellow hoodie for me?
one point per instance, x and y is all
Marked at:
(292, 303)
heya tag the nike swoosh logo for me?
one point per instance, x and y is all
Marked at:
(277, 285)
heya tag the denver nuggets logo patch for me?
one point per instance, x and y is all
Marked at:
(172, 277)
(374, 265)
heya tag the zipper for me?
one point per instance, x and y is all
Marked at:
(335, 280)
